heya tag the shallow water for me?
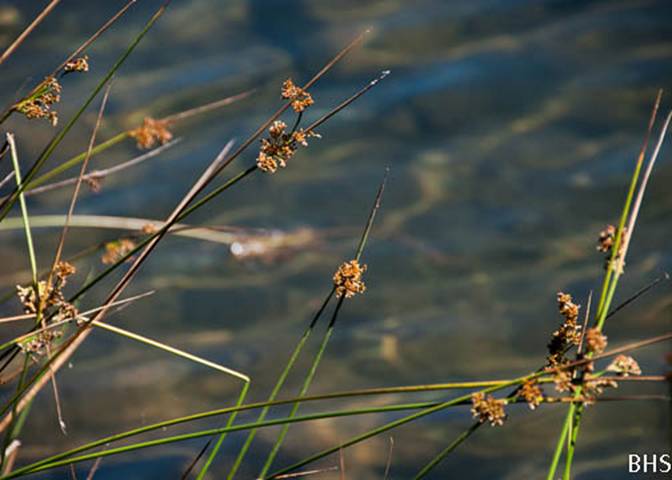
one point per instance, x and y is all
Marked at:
(511, 129)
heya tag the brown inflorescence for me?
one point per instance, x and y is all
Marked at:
(299, 97)
(39, 103)
(80, 64)
(47, 296)
(569, 332)
(280, 146)
(38, 344)
(116, 250)
(563, 381)
(593, 388)
(596, 342)
(532, 394)
(488, 409)
(624, 365)
(605, 244)
(348, 279)
(151, 132)
(149, 229)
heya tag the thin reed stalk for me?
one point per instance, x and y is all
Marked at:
(278, 386)
(28, 30)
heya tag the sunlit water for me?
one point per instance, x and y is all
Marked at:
(511, 129)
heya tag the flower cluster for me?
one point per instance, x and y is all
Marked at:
(605, 244)
(39, 343)
(593, 388)
(532, 394)
(606, 240)
(569, 332)
(39, 103)
(48, 295)
(596, 342)
(624, 365)
(116, 250)
(348, 279)
(299, 97)
(280, 146)
(80, 64)
(563, 381)
(488, 409)
(151, 132)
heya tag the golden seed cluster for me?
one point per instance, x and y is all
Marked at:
(348, 279)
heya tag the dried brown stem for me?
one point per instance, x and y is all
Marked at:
(28, 30)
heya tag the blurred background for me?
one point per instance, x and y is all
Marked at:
(511, 129)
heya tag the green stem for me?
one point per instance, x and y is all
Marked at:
(444, 453)
(394, 424)
(304, 389)
(220, 440)
(559, 446)
(278, 386)
(49, 463)
(24, 213)
(68, 164)
(576, 411)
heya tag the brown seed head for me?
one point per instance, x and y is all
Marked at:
(151, 132)
(348, 279)
(299, 97)
(488, 409)
(624, 365)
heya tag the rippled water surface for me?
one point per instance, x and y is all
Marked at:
(511, 129)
